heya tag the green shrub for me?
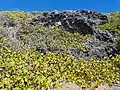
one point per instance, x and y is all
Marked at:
(115, 26)
(57, 37)
(114, 22)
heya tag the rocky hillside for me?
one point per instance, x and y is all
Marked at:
(70, 32)
(40, 49)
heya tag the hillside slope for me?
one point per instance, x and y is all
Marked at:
(42, 49)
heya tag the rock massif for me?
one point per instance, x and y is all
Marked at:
(103, 43)
(74, 21)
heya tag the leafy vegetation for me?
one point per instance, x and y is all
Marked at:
(33, 70)
(56, 37)
(114, 22)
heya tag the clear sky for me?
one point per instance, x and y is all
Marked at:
(46, 5)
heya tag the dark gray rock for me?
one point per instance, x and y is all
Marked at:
(49, 49)
(77, 53)
(74, 21)
(102, 44)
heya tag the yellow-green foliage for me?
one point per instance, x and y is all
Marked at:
(111, 26)
(16, 15)
(23, 70)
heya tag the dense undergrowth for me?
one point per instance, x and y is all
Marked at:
(27, 69)
(33, 70)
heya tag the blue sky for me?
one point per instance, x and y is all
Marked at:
(46, 5)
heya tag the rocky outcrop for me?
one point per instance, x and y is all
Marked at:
(74, 21)
(103, 43)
